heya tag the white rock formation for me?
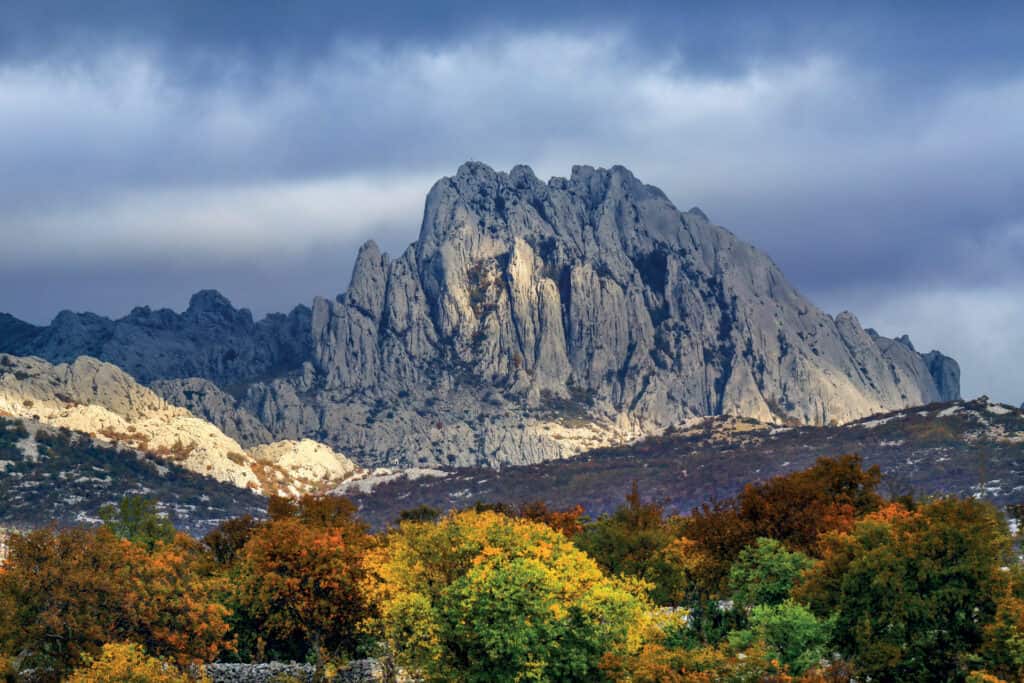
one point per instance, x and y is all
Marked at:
(103, 401)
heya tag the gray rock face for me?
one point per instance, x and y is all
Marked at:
(211, 339)
(203, 397)
(945, 373)
(590, 303)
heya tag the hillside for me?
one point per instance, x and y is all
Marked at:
(530, 321)
(972, 448)
(56, 475)
(968, 448)
(103, 403)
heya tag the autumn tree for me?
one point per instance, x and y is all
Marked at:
(296, 590)
(229, 537)
(664, 658)
(635, 541)
(718, 533)
(797, 508)
(480, 596)
(128, 663)
(568, 521)
(71, 591)
(794, 509)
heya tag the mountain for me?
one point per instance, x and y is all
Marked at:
(965, 448)
(529, 321)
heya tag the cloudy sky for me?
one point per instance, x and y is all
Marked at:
(875, 151)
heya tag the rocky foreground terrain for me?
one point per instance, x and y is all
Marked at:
(530, 321)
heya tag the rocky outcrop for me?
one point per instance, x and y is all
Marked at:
(593, 294)
(305, 466)
(103, 401)
(203, 397)
(945, 373)
(530, 320)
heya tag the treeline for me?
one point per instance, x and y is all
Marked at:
(811, 577)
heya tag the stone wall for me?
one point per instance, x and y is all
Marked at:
(360, 671)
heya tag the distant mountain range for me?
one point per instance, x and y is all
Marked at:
(530, 321)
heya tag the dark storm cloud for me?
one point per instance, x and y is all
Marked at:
(148, 150)
(195, 36)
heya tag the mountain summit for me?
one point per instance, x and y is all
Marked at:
(530, 320)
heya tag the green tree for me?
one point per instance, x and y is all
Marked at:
(136, 519)
(765, 573)
(637, 540)
(913, 591)
(790, 631)
(480, 596)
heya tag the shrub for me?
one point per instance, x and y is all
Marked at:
(127, 663)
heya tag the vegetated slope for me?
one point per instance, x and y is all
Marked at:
(55, 475)
(973, 448)
(521, 304)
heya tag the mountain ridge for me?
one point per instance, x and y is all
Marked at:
(585, 308)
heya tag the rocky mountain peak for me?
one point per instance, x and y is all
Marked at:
(531, 320)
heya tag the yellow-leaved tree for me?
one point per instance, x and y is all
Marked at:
(479, 596)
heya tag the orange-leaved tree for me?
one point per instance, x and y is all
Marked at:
(297, 585)
(72, 590)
